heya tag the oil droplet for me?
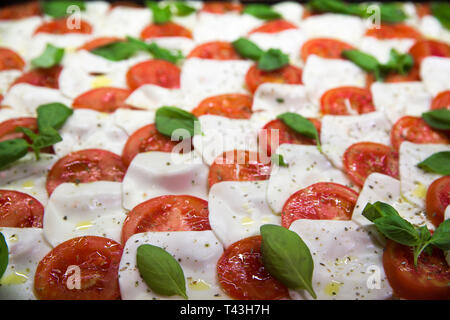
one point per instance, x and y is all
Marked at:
(100, 81)
(199, 285)
(28, 184)
(83, 225)
(70, 49)
(420, 191)
(14, 278)
(247, 221)
(266, 220)
(332, 289)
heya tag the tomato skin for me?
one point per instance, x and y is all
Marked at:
(104, 99)
(221, 7)
(9, 60)
(233, 106)
(129, 4)
(242, 274)
(392, 31)
(274, 26)
(168, 29)
(41, 77)
(429, 281)
(20, 210)
(426, 48)
(288, 74)
(437, 200)
(334, 100)
(363, 158)
(320, 201)
(412, 75)
(442, 100)
(20, 11)
(325, 48)
(98, 259)
(61, 26)
(86, 166)
(157, 72)
(98, 42)
(422, 9)
(215, 50)
(167, 213)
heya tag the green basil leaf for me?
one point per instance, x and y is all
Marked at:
(165, 54)
(247, 49)
(301, 125)
(279, 160)
(424, 234)
(47, 137)
(168, 119)
(138, 44)
(52, 115)
(392, 13)
(160, 14)
(181, 9)
(437, 163)
(438, 119)
(3, 255)
(262, 11)
(28, 132)
(336, 6)
(441, 236)
(378, 210)
(160, 271)
(117, 51)
(363, 60)
(441, 11)
(58, 8)
(287, 258)
(398, 229)
(399, 63)
(12, 150)
(51, 56)
(273, 59)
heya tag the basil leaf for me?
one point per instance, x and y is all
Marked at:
(247, 49)
(58, 8)
(181, 9)
(51, 56)
(168, 119)
(279, 160)
(138, 44)
(391, 13)
(441, 236)
(273, 59)
(301, 125)
(424, 234)
(262, 11)
(165, 54)
(399, 63)
(438, 119)
(12, 150)
(441, 11)
(336, 6)
(378, 210)
(363, 60)
(47, 137)
(160, 271)
(160, 14)
(398, 229)
(117, 51)
(3, 255)
(287, 258)
(52, 115)
(28, 132)
(437, 163)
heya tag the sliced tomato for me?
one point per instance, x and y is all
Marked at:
(428, 281)
(234, 106)
(98, 42)
(325, 48)
(64, 26)
(392, 31)
(86, 166)
(238, 165)
(20, 210)
(422, 9)
(416, 130)
(8, 128)
(103, 100)
(438, 198)
(98, 261)
(215, 50)
(157, 72)
(363, 158)
(288, 74)
(167, 213)
(168, 29)
(320, 201)
(412, 75)
(274, 26)
(285, 135)
(129, 4)
(221, 7)
(426, 48)
(9, 60)
(41, 77)
(346, 101)
(441, 101)
(20, 11)
(242, 275)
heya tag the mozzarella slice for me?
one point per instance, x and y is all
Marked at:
(152, 97)
(196, 251)
(118, 23)
(155, 174)
(185, 45)
(381, 49)
(132, 120)
(7, 78)
(435, 74)
(26, 247)
(347, 262)
(69, 42)
(17, 34)
(238, 209)
(430, 27)
(290, 10)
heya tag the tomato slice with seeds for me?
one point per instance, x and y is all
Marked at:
(20, 11)
(103, 100)
(320, 201)
(221, 7)
(8, 128)
(157, 72)
(242, 275)
(215, 50)
(98, 259)
(64, 26)
(437, 200)
(167, 213)
(428, 281)
(426, 48)
(288, 74)
(363, 158)
(238, 165)
(274, 26)
(9, 60)
(346, 101)
(412, 75)
(99, 42)
(233, 106)
(168, 29)
(325, 48)
(441, 101)
(86, 166)
(20, 210)
(392, 31)
(41, 77)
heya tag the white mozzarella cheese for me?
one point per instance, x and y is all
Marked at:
(381, 49)
(132, 120)
(290, 10)
(435, 74)
(152, 97)
(17, 34)
(185, 45)
(197, 253)
(7, 77)
(69, 42)
(117, 22)
(409, 9)
(430, 27)
(238, 209)
(348, 264)
(6, 113)
(94, 13)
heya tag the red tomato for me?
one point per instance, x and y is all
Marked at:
(415, 130)
(438, 198)
(99, 42)
(429, 281)
(320, 201)
(391, 31)
(20, 11)
(8, 128)
(288, 74)
(144, 140)
(221, 7)
(238, 165)
(441, 101)
(167, 213)
(98, 259)
(363, 158)
(325, 48)
(274, 26)
(168, 29)
(412, 75)
(41, 77)
(234, 106)
(242, 274)
(425, 48)
(19, 210)
(285, 135)
(128, 4)
(157, 72)
(338, 101)
(103, 100)
(10, 60)
(64, 26)
(215, 50)
(86, 166)
(422, 9)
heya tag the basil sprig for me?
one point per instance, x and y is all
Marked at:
(163, 14)
(287, 258)
(168, 119)
(58, 8)
(3, 255)
(262, 11)
(270, 60)
(437, 119)
(51, 56)
(278, 159)
(160, 271)
(437, 163)
(301, 125)
(390, 224)
(441, 11)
